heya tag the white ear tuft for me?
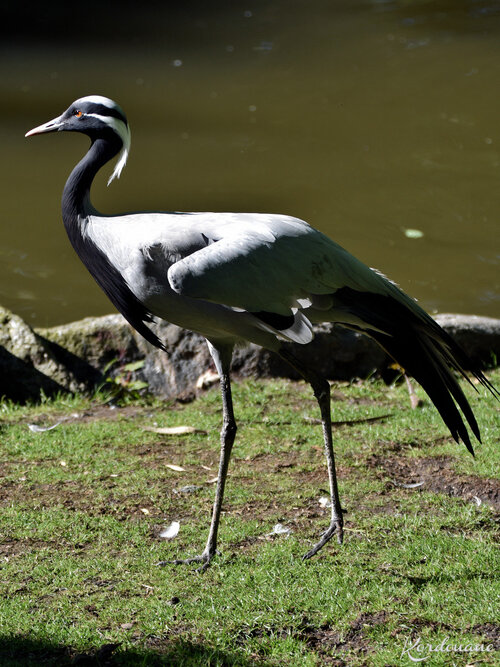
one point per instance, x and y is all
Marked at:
(123, 131)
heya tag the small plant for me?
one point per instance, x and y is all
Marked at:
(123, 382)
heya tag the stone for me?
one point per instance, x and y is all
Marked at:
(77, 357)
(27, 370)
(478, 336)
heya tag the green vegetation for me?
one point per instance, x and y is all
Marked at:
(83, 505)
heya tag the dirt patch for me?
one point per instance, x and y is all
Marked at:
(328, 640)
(325, 640)
(173, 450)
(416, 625)
(107, 412)
(11, 547)
(438, 475)
(71, 494)
(490, 633)
(74, 496)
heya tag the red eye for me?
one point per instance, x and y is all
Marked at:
(78, 114)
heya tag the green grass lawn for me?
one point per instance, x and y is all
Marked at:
(83, 505)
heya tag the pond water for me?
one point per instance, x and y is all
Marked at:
(377, 122)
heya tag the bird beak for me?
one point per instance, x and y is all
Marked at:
(52, 126)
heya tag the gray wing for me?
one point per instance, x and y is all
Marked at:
(270, 271)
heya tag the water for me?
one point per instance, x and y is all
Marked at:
(377, 122)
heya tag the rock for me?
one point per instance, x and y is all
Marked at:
(339, 354)
(335, 352)
(92, 348)
(175, 373)
(72, 357)
(21, 381)
(90, 345)
(26, 366)
(479, 336)
(77, 356)
(97, 340)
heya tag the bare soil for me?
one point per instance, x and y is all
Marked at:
(437, 475)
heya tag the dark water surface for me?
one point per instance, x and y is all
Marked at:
(377, 122)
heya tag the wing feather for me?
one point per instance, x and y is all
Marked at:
(273, 270)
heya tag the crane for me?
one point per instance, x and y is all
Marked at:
(239, 277)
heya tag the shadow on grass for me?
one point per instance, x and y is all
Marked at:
(25, 652)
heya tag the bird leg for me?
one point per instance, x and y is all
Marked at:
(227, 435)
(415, 402)
(321, 389)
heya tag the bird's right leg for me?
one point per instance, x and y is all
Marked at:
(227, 436)
(321, 389)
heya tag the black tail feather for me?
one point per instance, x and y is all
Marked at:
(424, 350)
(439, 383)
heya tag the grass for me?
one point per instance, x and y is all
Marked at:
(83, 505)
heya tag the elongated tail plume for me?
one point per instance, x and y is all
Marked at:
(424, 350)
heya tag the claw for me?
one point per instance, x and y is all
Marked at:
(334, 527)
(203, 558)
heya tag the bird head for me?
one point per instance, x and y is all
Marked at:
(95, 116)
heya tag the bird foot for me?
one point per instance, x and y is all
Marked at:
(336, 527)
(203, 558)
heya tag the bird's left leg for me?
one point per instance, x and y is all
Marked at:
(222, 360)
(321, 389)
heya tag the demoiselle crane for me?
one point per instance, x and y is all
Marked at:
(237, 277)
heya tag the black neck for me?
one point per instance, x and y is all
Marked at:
(76, 194)
(76, 207)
